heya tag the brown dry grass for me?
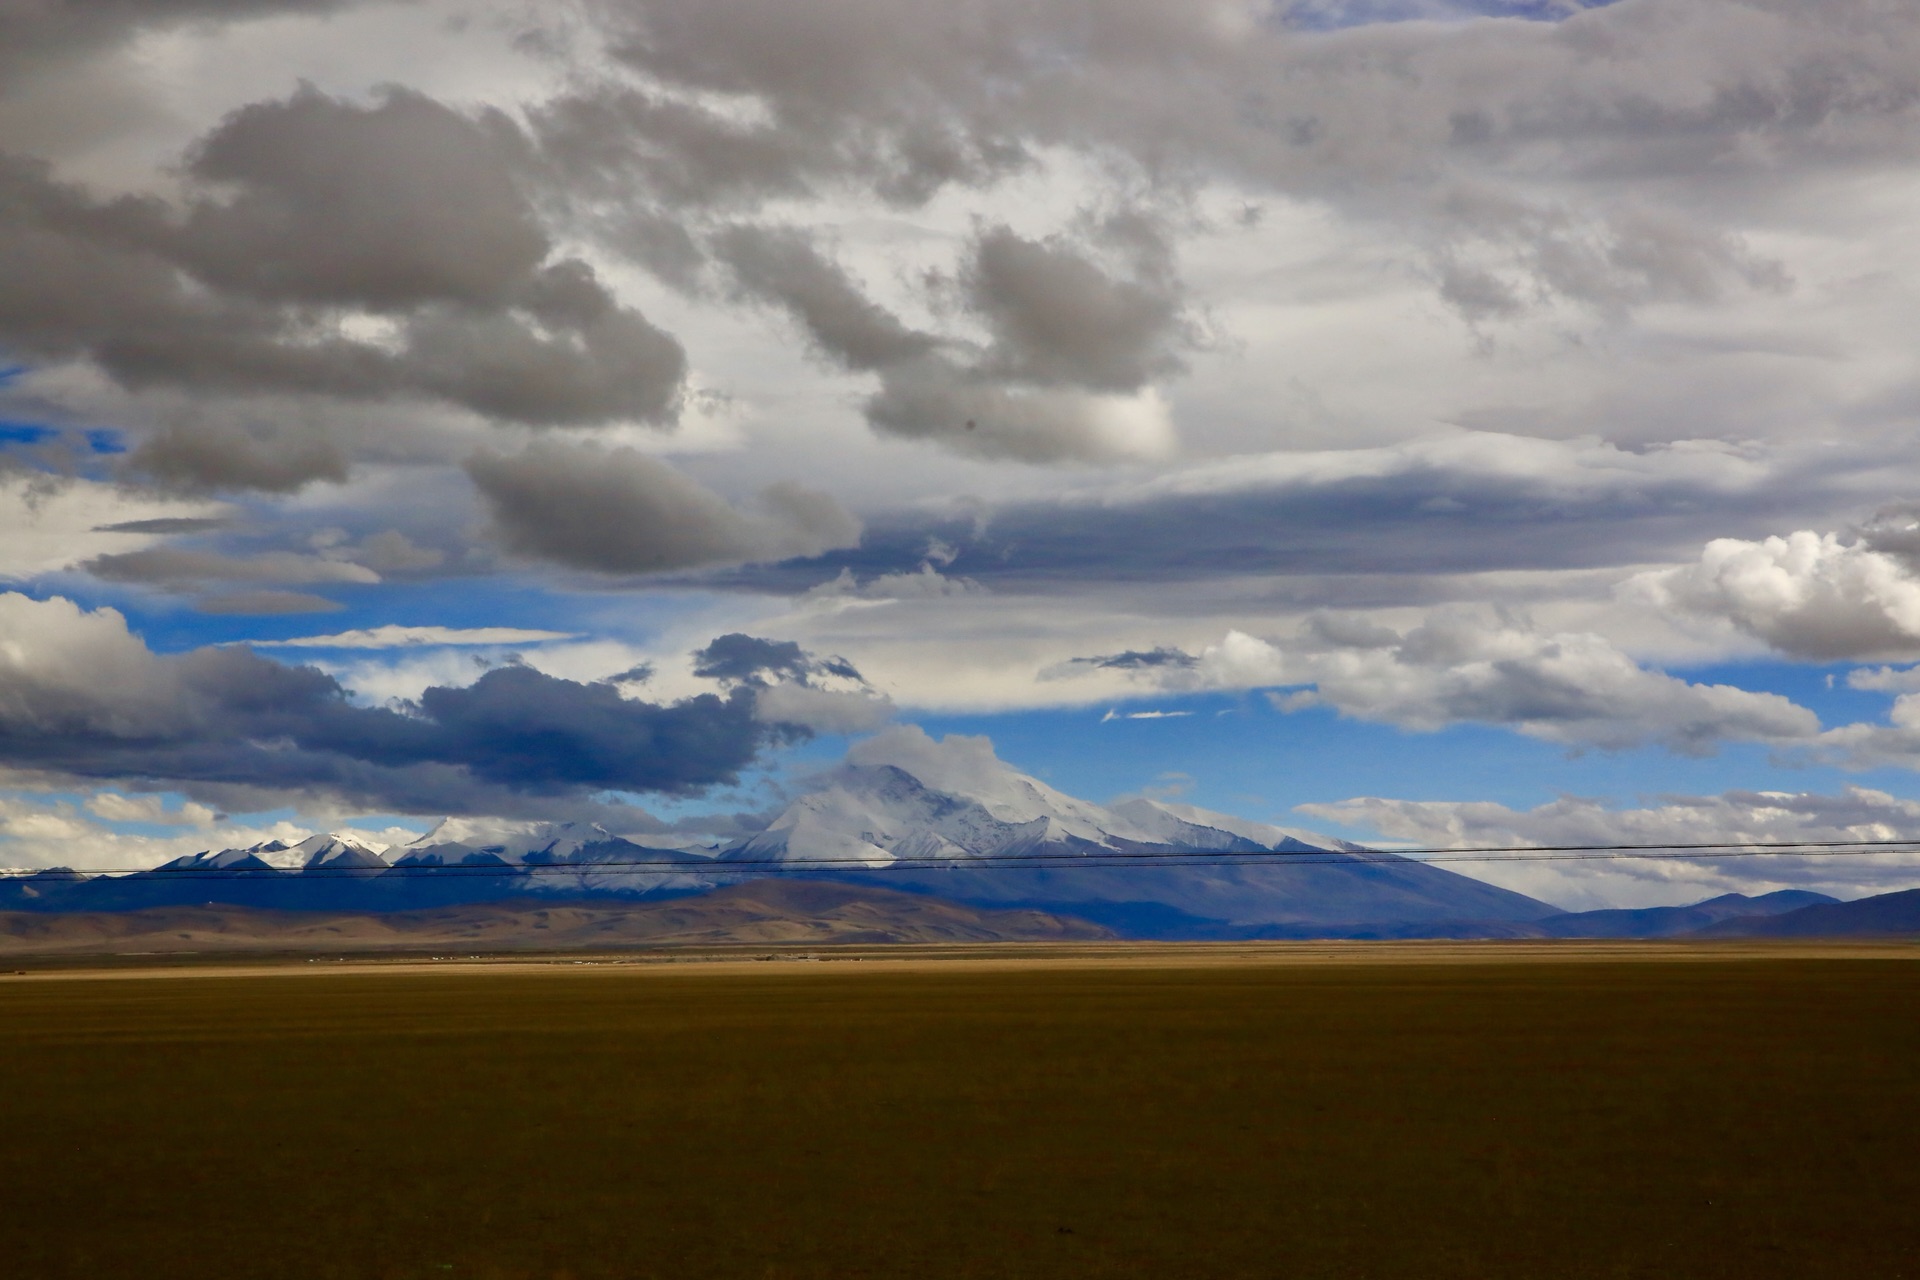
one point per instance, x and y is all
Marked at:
(1524, 1113)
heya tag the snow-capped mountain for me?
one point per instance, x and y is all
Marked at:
(904, 798)
(331, 853)
(951, 818)
(882, 815)
(549, 853)
(947, 818)
(458, 842)
(461, 860)
(274, 855)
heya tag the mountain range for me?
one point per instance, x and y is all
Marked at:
(946, 819)
(908, 815)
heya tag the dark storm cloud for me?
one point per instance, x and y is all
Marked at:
(1063, 329)
(784, 266)
(34, 31)
(1502, 255)
(621, 511)
(301, 212)
(1441, 130)
(678, 154)
(834, 111)
(908, 100)
(1466, 141)
(382, 208)
(1065, 334)
(265, 604)
(794, 687)
(1895, 531)
(81, 697)
(184, 567)
(970, 410)
(167, 525)
(214, 456)
(1058, 319)
(736, 658)
(520, 729)
(1461, 506)
(1141, 659)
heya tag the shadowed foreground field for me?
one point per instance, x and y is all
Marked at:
(1536, 1118)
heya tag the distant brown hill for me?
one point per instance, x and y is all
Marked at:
(756, 912)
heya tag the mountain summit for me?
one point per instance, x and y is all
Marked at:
(902, 798)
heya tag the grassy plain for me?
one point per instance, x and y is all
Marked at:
(1282, 1110)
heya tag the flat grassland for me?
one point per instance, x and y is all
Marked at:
(1287, 1110)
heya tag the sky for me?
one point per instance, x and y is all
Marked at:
(1432, 423)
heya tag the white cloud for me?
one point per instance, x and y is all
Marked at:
(1468, 666)
(399, 637)
(1463, 665)
(48, 524)
(67, 669)
(926, 583)
(38, 830)
(1736, 817)
(1557, 468)
(625, 512)
(1808, 594)
(1866, 745)
(177, 568)
(1885, 679)
(112, 806)
(823, 710)
(1240, 661)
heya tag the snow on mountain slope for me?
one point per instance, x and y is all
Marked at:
(518, 843)
(967, 767)
(271, 856)
(274, 855)
(1195, 828)
(546, 854)
(875, 815)
(904, 800)
(332, 853)
(904, 797)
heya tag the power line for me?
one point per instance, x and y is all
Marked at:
(1105, 859)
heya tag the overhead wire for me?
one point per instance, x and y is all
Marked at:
(1103, 859)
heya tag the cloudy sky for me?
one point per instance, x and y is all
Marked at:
(1438, 423)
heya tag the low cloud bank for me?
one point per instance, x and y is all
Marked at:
(82, 697)
(1733, 817)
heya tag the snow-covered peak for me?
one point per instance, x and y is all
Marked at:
(509, 841)
(476, 832)
(966, 767)
(563, 839)
(1189, 825)
(531, 843)
(901, 795)
(335, 851)
(275, 855)
(261, 857)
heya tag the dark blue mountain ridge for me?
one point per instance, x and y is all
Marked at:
(947, 824)
(1882, 915)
